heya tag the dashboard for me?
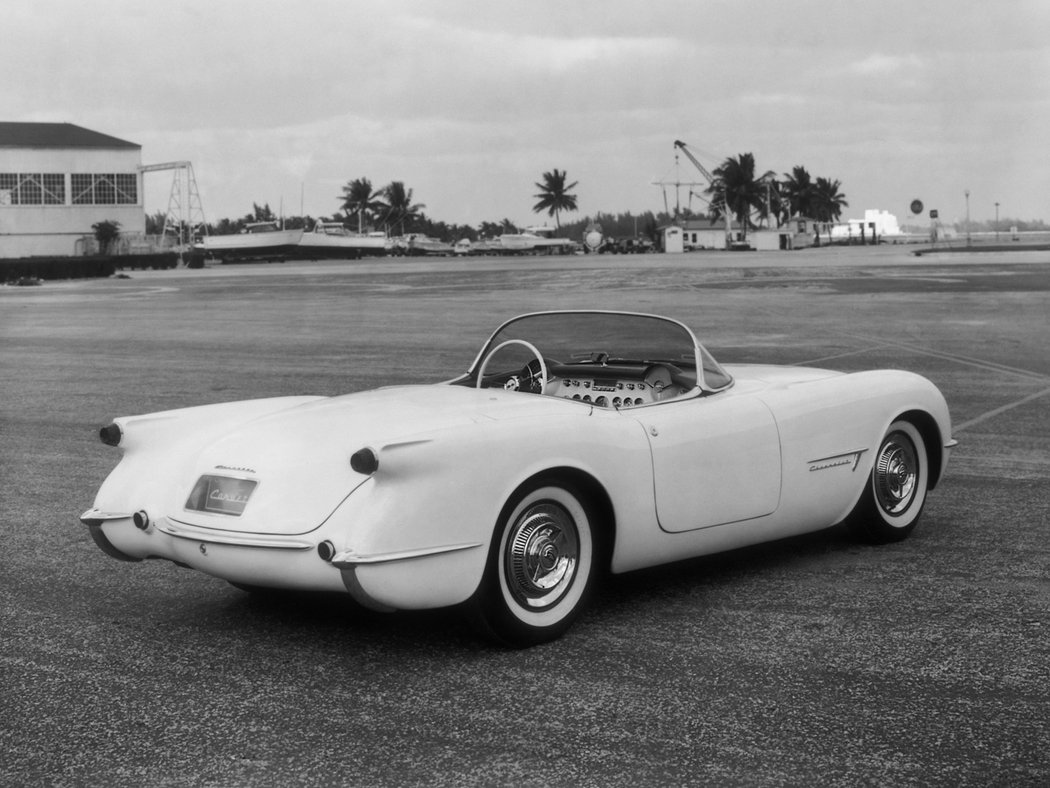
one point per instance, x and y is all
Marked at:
(616, 386)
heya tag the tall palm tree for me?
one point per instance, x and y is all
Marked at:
(359, 197)
(554, 195)
(401, 207)
(798, 189)
(737, 189)
(828, 200)
(773, 200)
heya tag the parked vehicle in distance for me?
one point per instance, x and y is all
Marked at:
(576, 442)
(634, 245)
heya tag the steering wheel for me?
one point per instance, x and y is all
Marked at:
(535, 377)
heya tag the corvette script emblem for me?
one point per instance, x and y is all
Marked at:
(837, 460)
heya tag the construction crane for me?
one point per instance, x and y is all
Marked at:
(185, 215)
(678, 183)
(679, 145)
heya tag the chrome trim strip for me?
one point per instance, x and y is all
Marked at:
(195, 534)
(95, 517)
(837, 460)
(348, 559)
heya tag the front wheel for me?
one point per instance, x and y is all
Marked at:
(540, 566)
(893, 498)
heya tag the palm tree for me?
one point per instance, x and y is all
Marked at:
(399, 201)
(798, 190)
(554, 195)
(360, 198)
(774, 199)
(828, 200)
(736, 188)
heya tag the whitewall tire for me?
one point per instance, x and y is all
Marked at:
(540, 567)
(895, 493)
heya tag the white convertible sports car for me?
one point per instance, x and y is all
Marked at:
(577, 442)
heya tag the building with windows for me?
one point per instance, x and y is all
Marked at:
(699, 233)
(57, 180)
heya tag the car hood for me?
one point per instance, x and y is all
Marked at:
(299, 458)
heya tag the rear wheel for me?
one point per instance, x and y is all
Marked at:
(893, 499)
(540, 566)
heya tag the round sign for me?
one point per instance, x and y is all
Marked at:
(916, 207)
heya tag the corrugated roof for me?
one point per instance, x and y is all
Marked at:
(56, 135)
(704, 224)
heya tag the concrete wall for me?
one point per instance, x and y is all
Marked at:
(704, 239)
(769, 240)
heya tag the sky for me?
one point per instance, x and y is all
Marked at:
(470, 102)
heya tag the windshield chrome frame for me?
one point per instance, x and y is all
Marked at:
(698, 350)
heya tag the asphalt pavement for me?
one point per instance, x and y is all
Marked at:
(814, 660)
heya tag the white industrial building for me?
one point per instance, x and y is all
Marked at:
(692, 234)
(57, 180)
(876, 226)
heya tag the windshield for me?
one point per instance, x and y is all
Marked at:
(609, 338)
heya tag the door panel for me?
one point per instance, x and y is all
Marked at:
(716, 460)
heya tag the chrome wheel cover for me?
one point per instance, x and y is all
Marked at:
(542, 554)
(896, 474)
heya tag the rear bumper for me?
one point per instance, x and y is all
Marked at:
(249, 559)
(436, 576)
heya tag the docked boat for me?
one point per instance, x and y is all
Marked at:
(417, 244)
(332, 240)
(534, 241)
(257, 241)
(479, 247)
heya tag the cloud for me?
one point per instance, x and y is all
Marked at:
(469, 102)
(878, 64)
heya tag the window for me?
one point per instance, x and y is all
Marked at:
(34, 188)
(54, 185)
(105, 189)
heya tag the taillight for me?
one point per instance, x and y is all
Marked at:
(110, 435)
(364, 461)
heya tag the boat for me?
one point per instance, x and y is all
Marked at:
(465, 247)
(333, 240)
(257, 241)
(417, 244)
(534, 240)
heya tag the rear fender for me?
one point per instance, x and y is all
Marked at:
(449, 490)
(158, 448)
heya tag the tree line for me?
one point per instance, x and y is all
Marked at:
(735, 189)
(753, 199)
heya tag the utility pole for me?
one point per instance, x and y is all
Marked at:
(997, 222)
(967, 193)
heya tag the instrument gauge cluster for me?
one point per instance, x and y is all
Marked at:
(604, 393)
(655, 384)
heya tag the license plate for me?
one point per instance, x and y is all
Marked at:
(220, 495)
